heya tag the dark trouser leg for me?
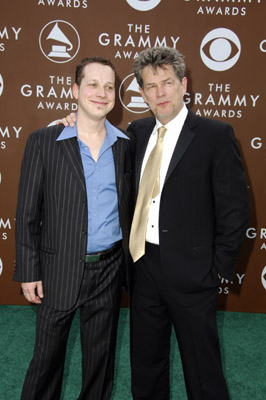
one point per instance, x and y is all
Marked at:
(197, 336)
(44, 376)
(154, 307)
(99, 320)
(150, 336)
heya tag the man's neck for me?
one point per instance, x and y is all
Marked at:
(90, 127)
(92, 133)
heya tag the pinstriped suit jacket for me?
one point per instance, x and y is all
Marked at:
(51, 218)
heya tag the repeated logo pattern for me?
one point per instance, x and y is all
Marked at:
(224, 45)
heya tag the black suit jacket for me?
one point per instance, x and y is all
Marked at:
(51, 219)
(204, 203)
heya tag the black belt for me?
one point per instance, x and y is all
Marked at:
(95, 257)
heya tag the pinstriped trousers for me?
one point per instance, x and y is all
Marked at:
(99, 304)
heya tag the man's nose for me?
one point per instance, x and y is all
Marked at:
(160, 90)
(101, 91)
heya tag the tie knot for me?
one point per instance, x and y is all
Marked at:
(161, 132)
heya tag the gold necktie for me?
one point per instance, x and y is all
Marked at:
(149, 188)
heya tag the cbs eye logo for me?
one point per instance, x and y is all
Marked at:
(263, 277)
(220, 49)
(143, 5)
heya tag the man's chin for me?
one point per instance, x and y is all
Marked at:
(164, 117)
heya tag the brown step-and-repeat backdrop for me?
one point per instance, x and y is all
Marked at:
(224, 42)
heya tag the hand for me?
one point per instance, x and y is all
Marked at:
(68, 120)
(33, 291)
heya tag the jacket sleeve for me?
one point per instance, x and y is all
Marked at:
(29, 213)
(231, 202)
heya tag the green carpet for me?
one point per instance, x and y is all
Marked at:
(242, 338)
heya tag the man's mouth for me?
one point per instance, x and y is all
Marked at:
(163, 103)
(99, 103)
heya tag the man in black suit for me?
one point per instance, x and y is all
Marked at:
(192, 233)
(72, 228)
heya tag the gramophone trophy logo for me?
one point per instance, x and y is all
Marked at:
(130, 97)
(59, 41)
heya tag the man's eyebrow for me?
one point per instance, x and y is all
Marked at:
(97, 80)
(153, 83)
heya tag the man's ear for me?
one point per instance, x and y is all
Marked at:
(142, 94)
(184, 85)
(75, 91)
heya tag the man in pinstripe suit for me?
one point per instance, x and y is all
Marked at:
(72, 227)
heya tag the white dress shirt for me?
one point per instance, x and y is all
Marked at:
(170, 139)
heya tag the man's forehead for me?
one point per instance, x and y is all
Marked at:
(151, 71)
(95, 70)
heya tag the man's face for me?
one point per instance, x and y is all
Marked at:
(163, 92)
(96, 93)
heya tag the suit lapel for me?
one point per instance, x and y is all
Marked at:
(143, 136)
(70, 148)
(185, 138)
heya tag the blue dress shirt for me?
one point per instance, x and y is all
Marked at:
(103, 218)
